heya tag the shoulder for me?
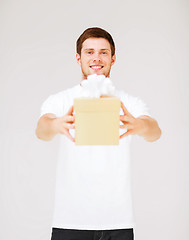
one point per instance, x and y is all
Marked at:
(59, 102)
(64, 93)
(134, 105)
(125, 97)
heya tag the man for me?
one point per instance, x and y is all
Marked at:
(93, 193)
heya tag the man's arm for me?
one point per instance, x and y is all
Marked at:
(144, 126)
(49, 125)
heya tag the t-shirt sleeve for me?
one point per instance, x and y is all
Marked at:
(52, 105)
(134, 105)
(139, 108)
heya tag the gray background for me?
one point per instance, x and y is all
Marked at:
(37, 58)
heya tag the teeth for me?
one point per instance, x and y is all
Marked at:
(96, 67)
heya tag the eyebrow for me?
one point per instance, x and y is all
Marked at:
(103, 49)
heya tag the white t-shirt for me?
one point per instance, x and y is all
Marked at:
(93, 187)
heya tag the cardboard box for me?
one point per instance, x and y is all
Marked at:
(97, 121)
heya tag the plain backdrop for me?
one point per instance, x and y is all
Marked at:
(37, 58)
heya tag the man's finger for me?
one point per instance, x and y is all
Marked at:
(124, 108)
(123, 126)
(129, 132)
(67, 133)
(69, 118)
(124, 118)
(69, 126)
(70, 111)
(127, 126)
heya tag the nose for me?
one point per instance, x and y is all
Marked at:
(96, 57)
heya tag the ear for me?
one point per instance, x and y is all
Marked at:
(78, 58)
(113, 59)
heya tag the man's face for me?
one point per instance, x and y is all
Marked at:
(95, 57)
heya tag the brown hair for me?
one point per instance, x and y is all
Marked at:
(94, 32)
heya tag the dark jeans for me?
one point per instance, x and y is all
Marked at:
(72, 234)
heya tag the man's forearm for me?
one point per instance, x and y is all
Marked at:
(45, 128)
(149, 129)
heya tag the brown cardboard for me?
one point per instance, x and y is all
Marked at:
(97, 121)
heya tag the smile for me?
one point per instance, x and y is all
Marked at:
(96, 67)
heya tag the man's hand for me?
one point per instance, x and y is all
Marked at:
(64, 124)
(129, 122)
(49, 125)
(144, 126)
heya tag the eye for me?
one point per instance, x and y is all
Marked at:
(89, 52)
(104, 53)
